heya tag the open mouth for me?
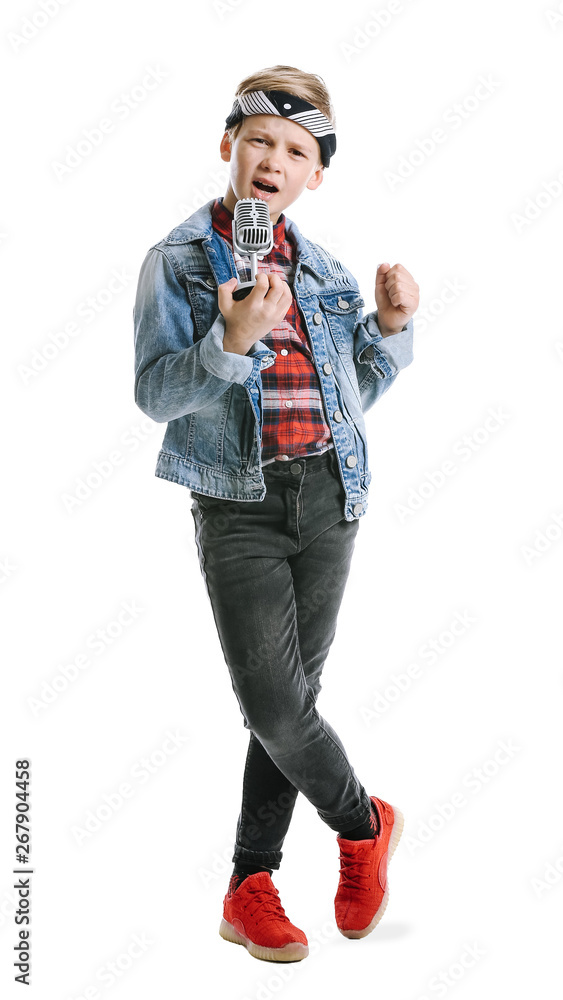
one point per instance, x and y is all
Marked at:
(263, 190)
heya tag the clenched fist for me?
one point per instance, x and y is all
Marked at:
(396, 297)
(248, 320)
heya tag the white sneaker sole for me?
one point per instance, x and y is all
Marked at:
(294, 951)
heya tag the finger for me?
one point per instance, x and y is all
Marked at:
(398, 294)
(387, 271)
(405, 290)
(274, 279)
(261, 286)
(398, 271)
(225, 293)
(381, 274)
(277, 288)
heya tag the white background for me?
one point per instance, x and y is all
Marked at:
(481, 211)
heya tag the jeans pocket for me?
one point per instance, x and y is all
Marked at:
(206, 502)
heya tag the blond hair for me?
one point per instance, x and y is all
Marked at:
(309, 86)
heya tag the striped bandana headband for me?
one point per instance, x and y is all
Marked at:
(278, 102)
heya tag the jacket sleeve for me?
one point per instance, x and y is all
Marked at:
(378, 359)
(174, 375)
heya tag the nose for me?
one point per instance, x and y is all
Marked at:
(271, 160)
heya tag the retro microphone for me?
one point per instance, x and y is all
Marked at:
(253, 235)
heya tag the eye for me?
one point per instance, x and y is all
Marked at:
(258, 138)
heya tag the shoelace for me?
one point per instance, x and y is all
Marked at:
(268, 901)
(351, 876)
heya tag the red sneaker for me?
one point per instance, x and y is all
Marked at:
(253, 916)
(363, 891)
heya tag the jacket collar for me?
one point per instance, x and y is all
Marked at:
(199, 227)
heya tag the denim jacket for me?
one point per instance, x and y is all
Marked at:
(211, 399)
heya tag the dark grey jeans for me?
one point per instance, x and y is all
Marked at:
(275, 572)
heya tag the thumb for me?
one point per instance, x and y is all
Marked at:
(380, 277)
(226, 286)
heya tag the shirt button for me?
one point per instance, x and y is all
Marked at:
(343, 304)
(351, 461)
(283, 458)
(327, 368)
(288, 402)
(296, 469)
(283, 351)
(337, 416)
(357, 508)
(317, 318)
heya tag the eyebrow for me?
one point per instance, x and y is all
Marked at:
(297, 145)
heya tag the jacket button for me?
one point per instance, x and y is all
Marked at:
(351, 461)
(337, 416)
(343, 304)
(210, 282)
(370, 353)
(327, 368)
(300, 276)
(317, 318)
(357, 508)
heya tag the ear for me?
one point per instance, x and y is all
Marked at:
(316, 178)
(225, 148)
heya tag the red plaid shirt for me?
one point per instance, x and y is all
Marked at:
(294, 421)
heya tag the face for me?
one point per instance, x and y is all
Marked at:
(277, 151)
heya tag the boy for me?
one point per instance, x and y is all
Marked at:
(264, 400)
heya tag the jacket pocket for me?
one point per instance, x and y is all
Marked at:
(201, 289)
(341, 311)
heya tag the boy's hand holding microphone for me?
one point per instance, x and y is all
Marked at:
(250, 319)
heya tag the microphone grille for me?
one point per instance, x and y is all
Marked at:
(252, 226)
